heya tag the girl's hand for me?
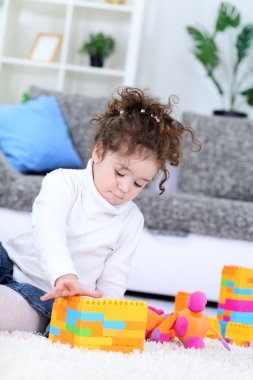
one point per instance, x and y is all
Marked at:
(69, 285)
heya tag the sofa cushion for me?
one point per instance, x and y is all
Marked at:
(77, 110)
(186, 213)
(34, 136)
(224, 167)
(17, 190)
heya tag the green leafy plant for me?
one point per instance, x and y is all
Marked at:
(239, 69)
(98, 45)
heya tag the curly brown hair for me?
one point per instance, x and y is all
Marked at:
(135, 120)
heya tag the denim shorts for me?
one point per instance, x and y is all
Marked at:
(29, 292)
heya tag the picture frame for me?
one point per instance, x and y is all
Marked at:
(45, 47)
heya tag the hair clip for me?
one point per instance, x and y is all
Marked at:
(155, 117)
(121, 112)
(142, 110)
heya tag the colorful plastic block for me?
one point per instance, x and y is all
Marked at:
(181, 301)
(240, 334)
(115, 325)
(235, 307)
(214, 323)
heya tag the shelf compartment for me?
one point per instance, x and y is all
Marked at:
(103, 5)
(30, 63)
(25, 76)
(95, 70)
(26, 19)
(92, 86)
(89, 21)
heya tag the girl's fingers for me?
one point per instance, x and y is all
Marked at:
(69, 290)
(56, 292)
(90, 293)
(48, 296)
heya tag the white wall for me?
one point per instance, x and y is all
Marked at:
(167, 65)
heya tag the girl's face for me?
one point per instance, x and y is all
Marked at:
(119, 178)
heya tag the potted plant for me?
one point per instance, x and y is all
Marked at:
(99, 46)
(238, 83)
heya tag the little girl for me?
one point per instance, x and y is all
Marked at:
(84, 226)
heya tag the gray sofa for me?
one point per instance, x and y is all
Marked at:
(215, 187)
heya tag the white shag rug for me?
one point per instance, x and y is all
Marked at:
(24, 356)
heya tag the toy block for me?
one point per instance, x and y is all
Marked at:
(59, 324)
(227, 313)
(116, 325)
(136, 311)
(235, 307)
(96, 328)
(62, 301)
(134, 333)
(126, 341)
(78, 331)
(61, 313)
(112, 332)
(246, 318)
(119, 325)
(53, 338)
(181, 301)
(90, 305)
(54, 331)
(239, 333)
(66, 336)
(115, 310)
(237, 297)
(124, 349)
(213, 322)
(94, 341)
(132, 325)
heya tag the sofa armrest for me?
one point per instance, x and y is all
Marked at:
(17, 191)
(187, 213)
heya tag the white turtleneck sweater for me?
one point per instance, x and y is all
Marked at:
(75, 230)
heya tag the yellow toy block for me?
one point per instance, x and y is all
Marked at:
(116, 325)
(213, 322)
(90, 305)
(115, 310)
(134, 333)
(93, 341)
(239, 333)
(136, 311)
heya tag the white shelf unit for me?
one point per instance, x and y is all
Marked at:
(75, 20)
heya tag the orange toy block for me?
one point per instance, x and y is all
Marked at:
(181, 301)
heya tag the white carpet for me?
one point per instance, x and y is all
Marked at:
(24, 356)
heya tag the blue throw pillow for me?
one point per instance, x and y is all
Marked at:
(35, 138)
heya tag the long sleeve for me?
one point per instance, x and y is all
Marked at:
(75, 230)
(49, 217)
(114, 277)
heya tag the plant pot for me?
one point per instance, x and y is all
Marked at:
(229, 113)
(96, 61)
